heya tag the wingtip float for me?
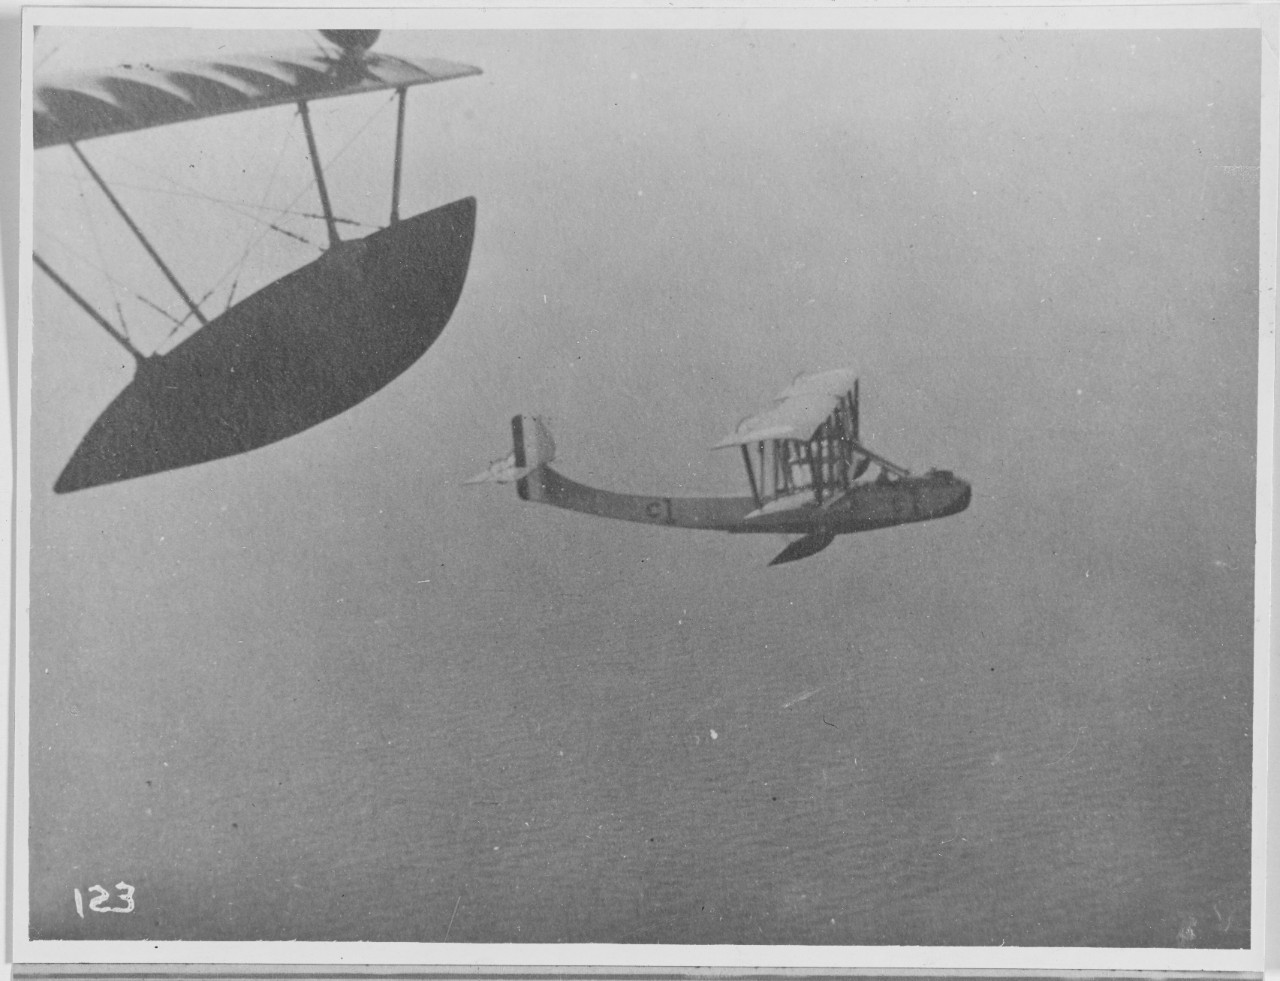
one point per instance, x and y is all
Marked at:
(302, 350)
(805, 463)
(308, 346)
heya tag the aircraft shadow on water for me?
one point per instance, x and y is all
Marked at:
(309, 345)
(805, 466)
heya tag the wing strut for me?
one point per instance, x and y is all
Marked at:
(155, 256)
(395, 174)
(88, 308)
(751, 476)
(815, 466)
(315, 164)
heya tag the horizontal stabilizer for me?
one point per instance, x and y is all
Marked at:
(802, 548)
(502, 471)
(532, 446)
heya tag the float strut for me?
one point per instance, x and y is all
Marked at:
(395, 174)
(315, 164)
(155, 256)
(88, 308)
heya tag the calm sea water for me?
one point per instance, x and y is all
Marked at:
(759, 760)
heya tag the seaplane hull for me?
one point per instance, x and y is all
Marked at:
(862, 508)
(804, 462)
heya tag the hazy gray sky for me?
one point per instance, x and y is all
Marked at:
(325, 668)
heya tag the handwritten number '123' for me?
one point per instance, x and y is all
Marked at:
(98, 904)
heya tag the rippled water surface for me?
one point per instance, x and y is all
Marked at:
(324, 692)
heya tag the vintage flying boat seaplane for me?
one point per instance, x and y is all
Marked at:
(303, 348)
(805, 466)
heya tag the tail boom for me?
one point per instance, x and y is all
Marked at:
(547, 486)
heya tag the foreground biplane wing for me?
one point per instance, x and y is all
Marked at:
(805, 465)
(302, 349)
(82, 105)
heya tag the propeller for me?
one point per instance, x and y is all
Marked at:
(352, 43)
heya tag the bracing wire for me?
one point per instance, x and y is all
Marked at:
(235, 267)
(236, 206)
(97, 245)
(116, 284)
(267, 224)
(179, 324)
(288, 208)
(41, 63)
(160, 310)
(356, 135)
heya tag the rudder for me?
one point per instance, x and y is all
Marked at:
(532, 447)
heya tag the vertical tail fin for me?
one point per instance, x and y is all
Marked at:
(532, 446)
(532, 441)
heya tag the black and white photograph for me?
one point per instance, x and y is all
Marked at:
(679, 482)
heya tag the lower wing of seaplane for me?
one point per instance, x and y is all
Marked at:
(805, 465)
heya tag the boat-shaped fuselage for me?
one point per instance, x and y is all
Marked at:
(863, 507)
(805, 465)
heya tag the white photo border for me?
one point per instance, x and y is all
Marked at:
(536, 958)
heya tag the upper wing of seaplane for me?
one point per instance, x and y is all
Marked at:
(798, 411)
(78, 106)
(305, 347)
(803, 459)
(813, 407)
